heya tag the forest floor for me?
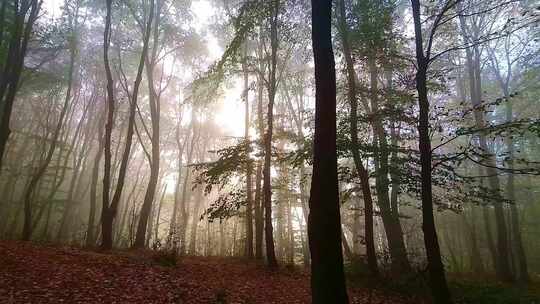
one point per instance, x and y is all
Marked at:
(31, 273)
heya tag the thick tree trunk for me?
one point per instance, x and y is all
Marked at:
(324, 224)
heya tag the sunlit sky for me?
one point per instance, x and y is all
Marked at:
(229, 111)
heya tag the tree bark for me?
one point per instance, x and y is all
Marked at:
(249, 167)
(109, 209)
(324, 223)
(353, 123)
(267, 186)
(90, 232)
(502, 265)
(195, 220)
(154, 101)
(437, 277)
(28, 195)
(9, 78)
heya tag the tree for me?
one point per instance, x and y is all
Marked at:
(437, 277)
(324, 224)
(154, 101)
(271, 87)
(353, 122)
(249, 168)
(25, 15)
(28, 195)
(110, 206)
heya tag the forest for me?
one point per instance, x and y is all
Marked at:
(270, 151)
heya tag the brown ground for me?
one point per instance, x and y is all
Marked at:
(49, 274)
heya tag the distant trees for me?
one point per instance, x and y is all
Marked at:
(417, 150)
(56, 133)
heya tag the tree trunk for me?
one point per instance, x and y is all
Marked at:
(174, 216)
(259, 211)
(90, 232)
(12, 69)
(186, 194)
(390, 217)
(109, 209)
(249, 168)
(522, 273)
(154, 101)
(158, 216)
(324, 224)
(502, 265)
(353, 123)
(28, 195)
(259, 216)
(195, 220)
(437, 277)
(267, 186)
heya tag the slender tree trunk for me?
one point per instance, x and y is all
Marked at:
(186, 194)
(110, 207)
(154, 101)
(78, 168)
(324, 224)
(475, 257)
(522, 273)
(249, 168)
(90, 232)
(390, 218)
(502, 265)
(290, 229)
(437, 277)
(267, 186)
(195, 221)
(353, 123)
(174, 216)
(259, 211)
(27, 11)
(158, 216)
(28, 195)
(259, 217)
